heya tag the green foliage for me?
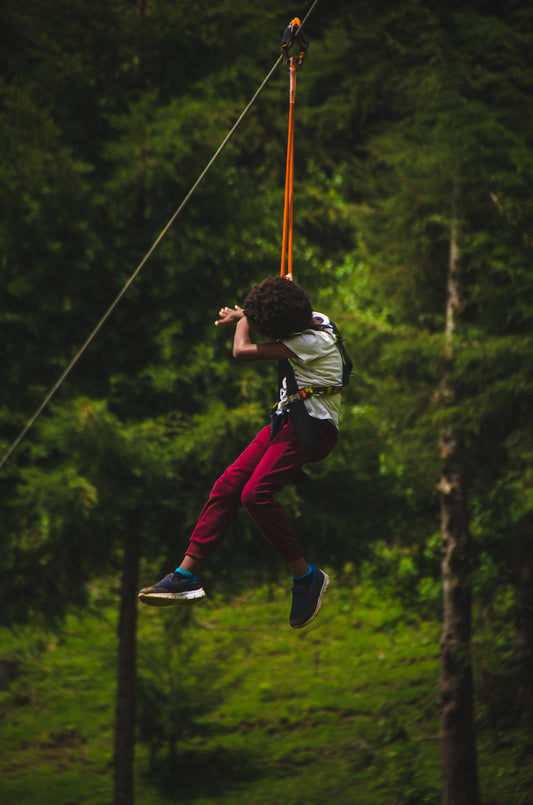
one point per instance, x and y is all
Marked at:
(346, 709)
(176, 692)
(409, 573)
(74, 520)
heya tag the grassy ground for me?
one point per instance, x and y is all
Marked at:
(344, 711)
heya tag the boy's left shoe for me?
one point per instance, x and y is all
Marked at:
(173, 589)
(307, 598)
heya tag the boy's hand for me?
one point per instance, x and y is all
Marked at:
(229, 315)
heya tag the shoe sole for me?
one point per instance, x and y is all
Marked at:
(325, 585)
(168, 599)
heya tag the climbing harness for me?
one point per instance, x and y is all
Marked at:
(304, 392)
(308, 391)
(294, 403)
(292, 35)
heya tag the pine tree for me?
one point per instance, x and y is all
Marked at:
(458, 744)
(446, 115)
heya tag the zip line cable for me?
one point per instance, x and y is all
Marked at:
(143, 262)
(133, 277)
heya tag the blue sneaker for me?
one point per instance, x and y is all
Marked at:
(307, 598)
(173, 589)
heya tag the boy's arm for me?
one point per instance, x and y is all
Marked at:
(244, 348)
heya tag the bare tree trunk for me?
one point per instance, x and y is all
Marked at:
(124, 759)
(458, 747)
(524, 623)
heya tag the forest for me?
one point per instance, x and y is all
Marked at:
(413, 230)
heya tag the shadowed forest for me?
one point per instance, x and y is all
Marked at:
(413, 230)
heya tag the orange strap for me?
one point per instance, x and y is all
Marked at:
(286, 247)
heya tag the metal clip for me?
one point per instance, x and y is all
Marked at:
(293, 35)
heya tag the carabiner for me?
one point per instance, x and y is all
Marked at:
(293, 35)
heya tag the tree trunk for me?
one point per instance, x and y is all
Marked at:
(126, 682)
(524, 624)
(127, 629)
(458, 748)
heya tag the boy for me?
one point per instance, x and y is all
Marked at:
(279, 310)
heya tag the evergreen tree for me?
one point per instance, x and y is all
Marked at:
(445, 115)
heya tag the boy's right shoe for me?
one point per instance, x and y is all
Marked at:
(173, 589)
(307, 595)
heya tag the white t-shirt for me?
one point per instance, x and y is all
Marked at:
(318, 363)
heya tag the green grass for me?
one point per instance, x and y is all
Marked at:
(343, 711)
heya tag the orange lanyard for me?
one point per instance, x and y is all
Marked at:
(286, 247)
(293, 35)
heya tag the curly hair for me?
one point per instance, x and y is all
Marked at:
(277, 308)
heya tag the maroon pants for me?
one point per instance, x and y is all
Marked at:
(261, 471)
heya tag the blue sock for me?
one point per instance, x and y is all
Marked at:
(186, 573)
(309, 576)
